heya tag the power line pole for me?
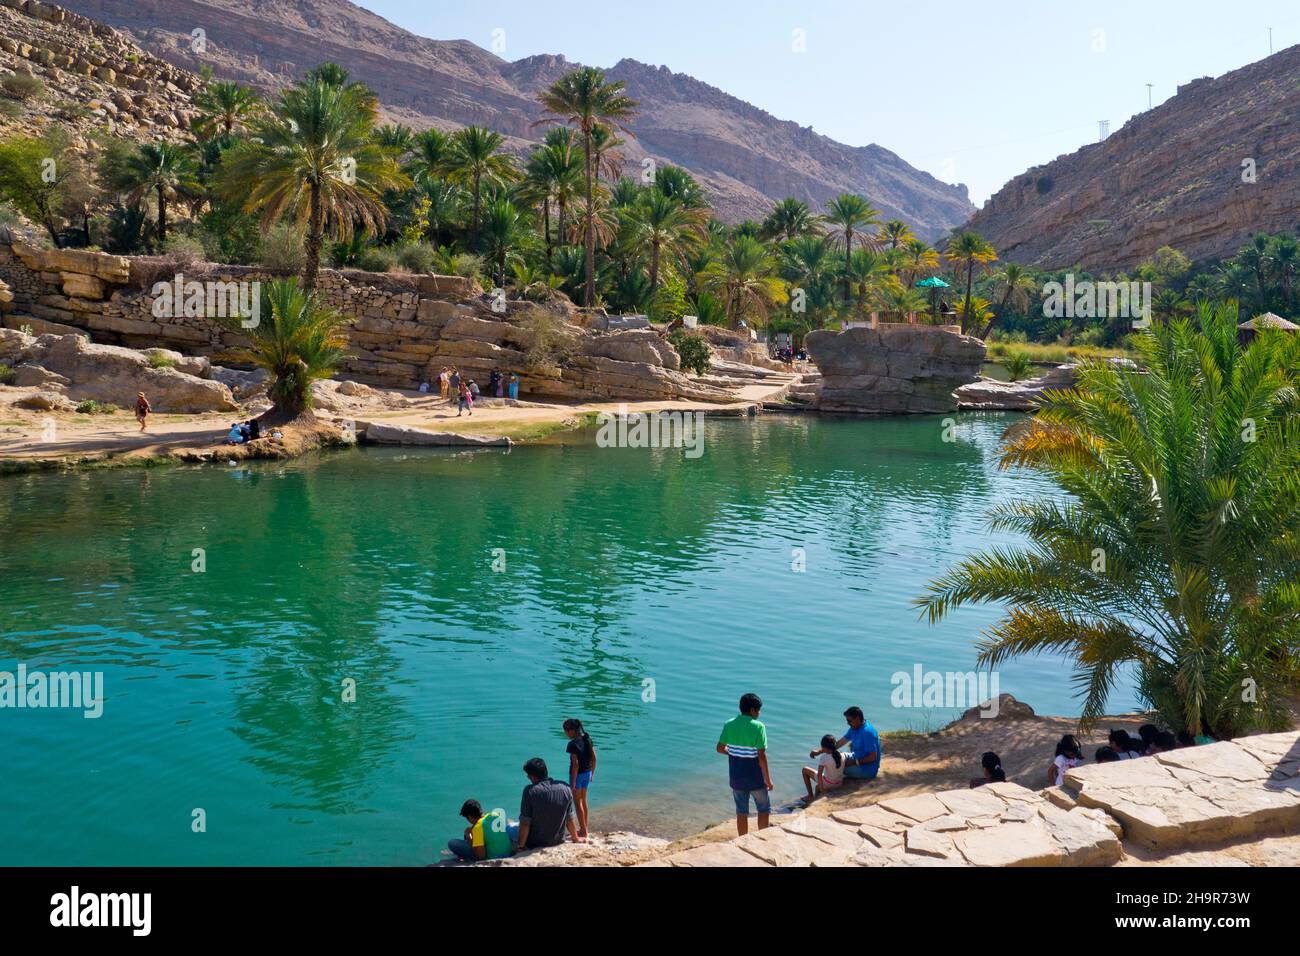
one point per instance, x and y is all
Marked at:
(1103, 129)
(1149, 96)
(1270, 41)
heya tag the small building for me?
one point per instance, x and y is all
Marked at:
(1247, 330)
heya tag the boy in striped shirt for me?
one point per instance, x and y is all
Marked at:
(744, 741)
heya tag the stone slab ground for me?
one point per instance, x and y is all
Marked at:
(1234, 793)
(1223, 791)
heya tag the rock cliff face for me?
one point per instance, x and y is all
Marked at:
(401, 329)
(94, 78)
(743, 156)
(1171, 176)
(894, 369)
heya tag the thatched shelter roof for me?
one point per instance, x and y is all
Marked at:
(1269, 321)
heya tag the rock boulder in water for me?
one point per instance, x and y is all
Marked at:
(894, 369)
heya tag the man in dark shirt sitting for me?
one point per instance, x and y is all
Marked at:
(546, 810)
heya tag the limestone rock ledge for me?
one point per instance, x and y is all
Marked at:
(1226, 790)
(990, 394)
(893, 369)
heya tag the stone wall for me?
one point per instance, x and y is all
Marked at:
(401, 328)
(894, 369)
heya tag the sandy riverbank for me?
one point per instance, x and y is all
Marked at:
(27, 440)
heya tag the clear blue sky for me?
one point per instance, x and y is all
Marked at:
(971, 92)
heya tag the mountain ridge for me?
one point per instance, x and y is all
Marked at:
(1172, 176)
(743, 156)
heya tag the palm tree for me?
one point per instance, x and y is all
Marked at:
(919, 259)
(475, 161)
(165, 169)
(742, 275)
(662, 225)
(296, 342)
(315, 160)
(504, 232)
(808, 265)
(968, 252)
(1016, 283)
(894, 298)
(866, 270)
(604, 150)
(584, 100)
(789, 219)
(1284, 255)
(895, 234)
(850, 215)
(677, 183)
(553, 174)
(224, 108)
(1175, 552)
(430, 151)
(396, 137)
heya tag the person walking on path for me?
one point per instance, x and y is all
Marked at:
(142, 409)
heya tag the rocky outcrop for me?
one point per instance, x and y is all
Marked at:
(1201, 172)
(991, 394)
(744, 157)
(379, 433)
(82, 371)
(893, 369)
(96, 81)
(401, 329)
(1231, 789)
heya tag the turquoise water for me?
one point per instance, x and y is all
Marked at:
(621, 567)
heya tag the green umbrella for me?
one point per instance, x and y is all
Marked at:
(934, 283)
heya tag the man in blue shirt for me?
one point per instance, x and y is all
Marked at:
(864, 761)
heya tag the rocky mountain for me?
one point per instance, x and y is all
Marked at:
(1201, 172)
(81, 76)
(744, 157)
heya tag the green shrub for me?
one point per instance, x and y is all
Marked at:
(693, 349)
(229, 235)
(283, 249)
(1018, 365)
(20, 86)
(158, 360)
(6, 374)
(185, 251)
(376, 259)
(92, 407)
(417, 257)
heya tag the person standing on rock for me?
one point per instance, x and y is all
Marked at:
(142, 409)
(514, 386)
(744, 741)
(453, 385)
(443, 384)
